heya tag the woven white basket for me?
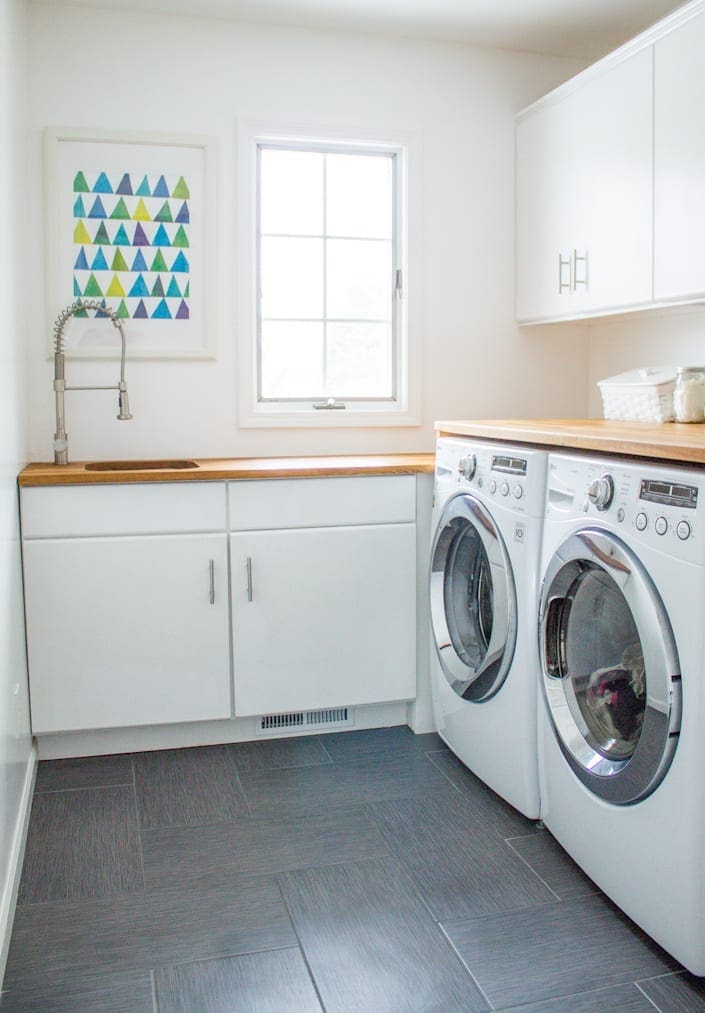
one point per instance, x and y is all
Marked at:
(641, 395)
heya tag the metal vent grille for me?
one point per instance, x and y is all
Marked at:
(304, 720)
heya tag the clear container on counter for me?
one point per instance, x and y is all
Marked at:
(689, 394)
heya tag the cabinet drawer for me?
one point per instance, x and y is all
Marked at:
(322, 502)
(123, 510)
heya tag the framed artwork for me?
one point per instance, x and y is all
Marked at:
(130, 220)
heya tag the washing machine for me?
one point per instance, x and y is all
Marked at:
(622, 703)
(484, 573)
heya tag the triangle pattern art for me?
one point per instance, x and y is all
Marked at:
(131, 231)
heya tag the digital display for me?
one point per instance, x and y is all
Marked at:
(509, 465)
(669, 493)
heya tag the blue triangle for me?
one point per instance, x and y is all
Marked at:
(76, 287)
(81, 262)
(180, 264)
(99, 262)
(121, 237)
(161, 190)
(139, 263)
(162, 312)
(161, 237)
(79, 210)
(143, 189)
(97, 211)
(183, 216)
(139, 287)
(124, 186)
(173, 290)
(102, 184)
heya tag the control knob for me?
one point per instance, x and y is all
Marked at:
(467, 466)
(601, 491)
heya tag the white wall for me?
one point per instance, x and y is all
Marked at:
(15, 740)
(134, 71)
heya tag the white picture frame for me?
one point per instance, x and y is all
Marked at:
(130, 219)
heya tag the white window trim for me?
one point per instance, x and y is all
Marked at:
(406, 410)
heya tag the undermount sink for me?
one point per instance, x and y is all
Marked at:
(140, 465)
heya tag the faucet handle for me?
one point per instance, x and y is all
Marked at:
(124, 414)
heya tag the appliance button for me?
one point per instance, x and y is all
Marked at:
(620, 514)
(493, 486)
(504, 488)
(518, 491)
(661, 525)
(641, 521)
(683, 530)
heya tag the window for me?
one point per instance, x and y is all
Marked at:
(327, 326)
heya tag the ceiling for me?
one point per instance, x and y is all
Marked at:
(585, 29)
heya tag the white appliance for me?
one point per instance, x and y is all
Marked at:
(622, 708)
(488, 509)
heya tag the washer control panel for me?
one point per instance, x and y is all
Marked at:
(513, 477)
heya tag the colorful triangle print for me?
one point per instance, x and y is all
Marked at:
(124, 187)
(79, 184)
(183, 215)
(159, 264)
(76, 287)
(120, 210)
(92, 288)
(80, 233)
(161, 189)
(79, 210)
(173, 290)
(187, 293)
(161, 237)
(81, 261)
(119, 263)
(162, 312)
(102, 184)
(182, 312)
(181, 190)
(139, 288)
(97, 211)
(143, 189)
(121, 237)
(139, 263)
(158, 288)
(101, 237)
(180, 265)
(162, 215)
(115, 288)
(122, 311)
(180, 239)
(99, 262)
(141, 312)
(139, 238)
(141, 214)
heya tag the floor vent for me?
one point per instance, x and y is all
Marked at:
(337, 717)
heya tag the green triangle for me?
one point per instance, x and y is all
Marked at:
(180, 239)
(119, 263)
(173, 290)
(81, 313)
(187, 291)
(92, 288)
(120, 210)
(101, 237)
(122, 311)
(164, 213)
(79, 184)
(159, 264)
(181, 190)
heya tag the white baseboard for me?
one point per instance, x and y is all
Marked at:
(8, 902)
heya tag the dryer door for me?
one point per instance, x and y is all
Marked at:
(611, 677)
(473, 601)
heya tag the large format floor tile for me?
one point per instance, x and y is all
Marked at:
(81, 843)
(270, 754)
(255, 846)
(676, 993)
(187, 787)
(554, 865)
(459, 868)
(370, 943)
(354, 745)
(266, 982)
(84, 992)
(84, 772)
(620, 999)
(555, 950)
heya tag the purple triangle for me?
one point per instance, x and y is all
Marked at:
(182, 312)
(125, 186)
(140, 313)
(140, 239)
(183, 216)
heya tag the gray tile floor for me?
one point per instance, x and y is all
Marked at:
(356, 871)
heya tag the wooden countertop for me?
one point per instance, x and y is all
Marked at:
(668, 441)
(81, 473)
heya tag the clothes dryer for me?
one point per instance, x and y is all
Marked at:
(622, 707)
(484, 572)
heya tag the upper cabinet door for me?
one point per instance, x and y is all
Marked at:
(584, 196)
(679, 163)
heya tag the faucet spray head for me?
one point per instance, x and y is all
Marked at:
(124, 414)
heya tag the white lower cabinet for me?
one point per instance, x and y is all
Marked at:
(127, 631)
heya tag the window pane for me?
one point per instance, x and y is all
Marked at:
(291, 192)
(359, 196)
(292, 359)
(292, 278)
(359, 279)
(360, 360)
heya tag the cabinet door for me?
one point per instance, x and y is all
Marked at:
(584, 190)
(679, 163)
(127, 631)
(323, 617)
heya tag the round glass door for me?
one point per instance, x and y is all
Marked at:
(473, 602)
(610, 668)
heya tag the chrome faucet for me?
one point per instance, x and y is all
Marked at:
(61, 455)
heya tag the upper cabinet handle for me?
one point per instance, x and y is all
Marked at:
(577, 259)
(563, 263)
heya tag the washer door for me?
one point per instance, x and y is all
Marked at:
(610, 667)
(473, 601)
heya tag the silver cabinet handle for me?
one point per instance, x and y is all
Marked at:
(564, 262)
(576, 259)
(249, 578)
(211, 574)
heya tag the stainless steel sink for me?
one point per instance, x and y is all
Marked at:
(140, 465)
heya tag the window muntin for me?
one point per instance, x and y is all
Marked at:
(329, 263)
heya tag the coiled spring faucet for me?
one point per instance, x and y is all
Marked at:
(61, 455)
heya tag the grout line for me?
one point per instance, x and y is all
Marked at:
(531, 868)
(82, 787)
(301, 949)
(155, 1000)
(238, 782)
(648, 997)
(466, 968)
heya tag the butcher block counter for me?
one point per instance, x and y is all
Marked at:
(668, 441)
(195, 469)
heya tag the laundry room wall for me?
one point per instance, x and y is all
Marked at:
(119, 70)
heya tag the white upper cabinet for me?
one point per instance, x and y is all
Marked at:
(584, 195)
(679, 159)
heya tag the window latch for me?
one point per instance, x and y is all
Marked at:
(398, 283)
(329, 404)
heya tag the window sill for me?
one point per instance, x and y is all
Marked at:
(326, 419)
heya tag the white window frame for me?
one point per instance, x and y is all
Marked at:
(404, 409)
